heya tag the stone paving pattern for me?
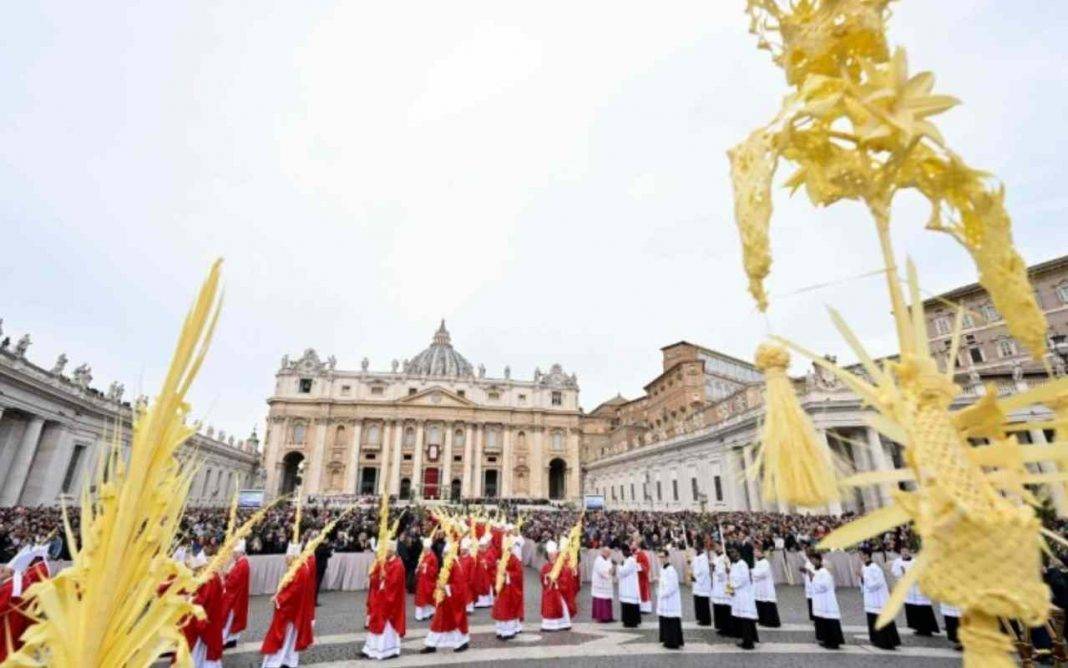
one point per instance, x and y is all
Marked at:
(339, 637)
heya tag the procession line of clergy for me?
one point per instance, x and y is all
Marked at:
(225, 603)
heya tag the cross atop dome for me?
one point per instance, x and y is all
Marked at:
(441, 337)
(441, 359)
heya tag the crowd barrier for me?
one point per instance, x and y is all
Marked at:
(785, 565)
(347, 571)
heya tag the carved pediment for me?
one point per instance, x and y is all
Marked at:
(437, 396)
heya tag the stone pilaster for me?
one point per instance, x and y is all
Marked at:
(352, 469)
(466, 484)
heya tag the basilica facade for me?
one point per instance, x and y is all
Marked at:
(431, 427)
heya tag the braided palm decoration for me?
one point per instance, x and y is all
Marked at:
(857, 126)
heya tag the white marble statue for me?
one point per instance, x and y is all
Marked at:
(61, 363)
(22, 345)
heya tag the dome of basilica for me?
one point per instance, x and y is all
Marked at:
(440, 359)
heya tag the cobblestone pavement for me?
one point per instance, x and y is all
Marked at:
(339, 637)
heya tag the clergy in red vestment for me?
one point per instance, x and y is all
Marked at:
(35, 572)
(237, 588)
(294, 611)
(373, 580)
(16, 576)
(448, 628)
(574, 582)
(426, 578)
(555, 615)
(467, 563)
(205, 636)
(508, 606)
(645, 564)
(10, 618)
(484, 570)
(386, 624)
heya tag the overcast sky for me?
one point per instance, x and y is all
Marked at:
(549, 177)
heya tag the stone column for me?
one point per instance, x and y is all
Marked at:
(480, 443)
(1056, 489)
(385, 447)
(417, 458)
(572, 481)
(20, 464)
(446, 463)
(313, 474)
(53, 457)
(466, 484)
(8, 446)
(835, 507)
(755, 500)
(395, 459)
(352, 471)
(273, 447)
(506, 462)
(880, 462)
(539, 463)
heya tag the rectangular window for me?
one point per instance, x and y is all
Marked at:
(941, 325)
(659, 496)
(1062, 293)
(1007, 348)
(411, 391)
(461, 393)
(378, 390)
(675, 490)
(694, 489)
(305, 385)
(522, 398)
(632, 496)
(345, 390)
(493, 396)
(976, 355)
(457, 458)
(990, 313)
(719, 487)
(407, 457)
(558, 398)
(969, 320)
(72, 467)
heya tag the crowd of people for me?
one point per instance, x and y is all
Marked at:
(20, 525)
(456, 561)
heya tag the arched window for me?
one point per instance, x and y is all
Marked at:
(340, 437)
(493, 438)
(521, 440)
(433, 435)
(373, 434)
(299, 430)
(458, 437)
(409, 437)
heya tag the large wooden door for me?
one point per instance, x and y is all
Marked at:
(430, 483)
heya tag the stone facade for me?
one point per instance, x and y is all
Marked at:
(431, 427)
(693, 378)
(703, 458)
(986, 345)
(53, 427)
(710, 466)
